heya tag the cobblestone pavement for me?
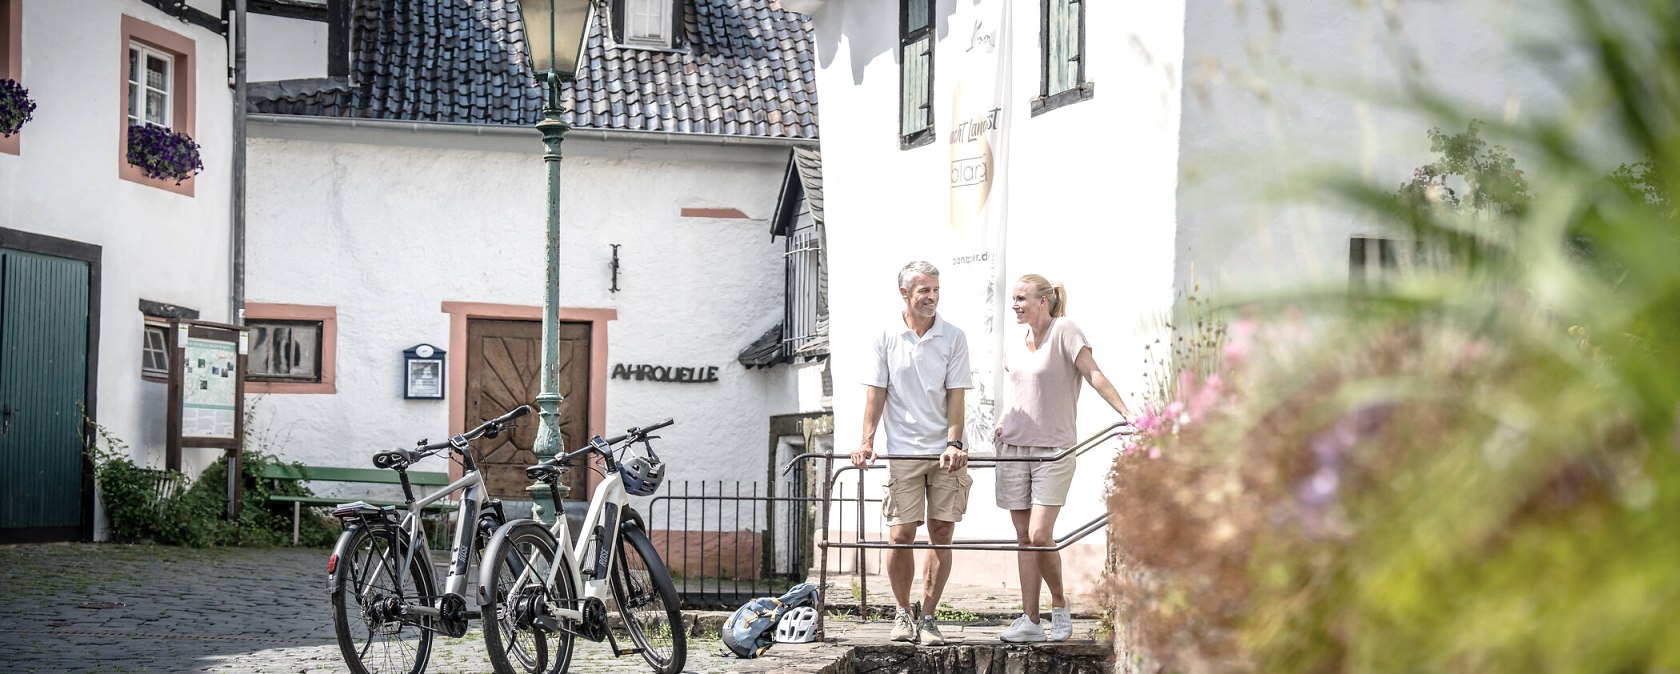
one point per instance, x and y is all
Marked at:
(113, 608)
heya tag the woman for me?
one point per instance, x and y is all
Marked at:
(1044, 370)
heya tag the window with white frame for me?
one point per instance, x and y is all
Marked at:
(285, 351)
(150, 75)
(154, 351)
(647, 23)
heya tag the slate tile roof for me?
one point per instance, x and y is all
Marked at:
(743, 68)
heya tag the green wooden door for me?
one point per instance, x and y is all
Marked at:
(43, 378)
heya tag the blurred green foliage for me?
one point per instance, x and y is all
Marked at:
(1478, 468)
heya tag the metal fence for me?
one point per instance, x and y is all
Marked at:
(833, 505)
(727, 542)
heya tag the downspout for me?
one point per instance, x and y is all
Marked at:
(236, 300)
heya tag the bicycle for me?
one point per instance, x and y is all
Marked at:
(380, 572)
(529, 590)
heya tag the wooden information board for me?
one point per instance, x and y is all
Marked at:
(207, 394)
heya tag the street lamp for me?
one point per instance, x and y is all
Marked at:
(556, 32)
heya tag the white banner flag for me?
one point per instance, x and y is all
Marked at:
(974, 293)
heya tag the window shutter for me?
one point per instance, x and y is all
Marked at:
(679, 10)
(1062, 47)
(620, 18)
(915, 76)
(916, 64)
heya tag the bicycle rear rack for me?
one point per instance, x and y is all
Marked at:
(1111, 432)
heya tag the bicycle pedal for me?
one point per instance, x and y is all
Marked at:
(627, 651)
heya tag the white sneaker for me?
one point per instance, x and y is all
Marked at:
(904, 627)
(927, 633)
(1061, 624)
(1023, 630)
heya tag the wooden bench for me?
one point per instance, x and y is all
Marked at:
(422, 480)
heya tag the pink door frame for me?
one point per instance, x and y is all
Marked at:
(461, 312)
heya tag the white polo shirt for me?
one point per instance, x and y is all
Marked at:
(916, 372)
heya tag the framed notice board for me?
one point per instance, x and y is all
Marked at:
(207, 394)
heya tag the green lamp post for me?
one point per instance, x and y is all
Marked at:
(556, 32)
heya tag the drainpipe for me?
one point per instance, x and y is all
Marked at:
(236, 300)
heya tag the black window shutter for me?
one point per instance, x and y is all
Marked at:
(678, 9)
(619, 18)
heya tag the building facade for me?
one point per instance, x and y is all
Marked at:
(401, 205)
(95, 254)
(1132, 151)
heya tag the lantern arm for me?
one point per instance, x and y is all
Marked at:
(551, 91)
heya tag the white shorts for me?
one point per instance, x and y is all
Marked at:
(1022, 484)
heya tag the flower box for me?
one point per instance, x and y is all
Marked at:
(163, 154)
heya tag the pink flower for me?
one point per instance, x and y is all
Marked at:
(1239, 342)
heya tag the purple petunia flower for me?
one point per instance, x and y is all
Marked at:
(15, 107)
(163, 154)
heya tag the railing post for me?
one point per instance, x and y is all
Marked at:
(822, 550)
(862, 571)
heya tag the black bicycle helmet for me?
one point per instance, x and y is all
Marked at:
(642, 475)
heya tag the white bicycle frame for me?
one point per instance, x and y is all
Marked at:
(606, 512)
(471, 487)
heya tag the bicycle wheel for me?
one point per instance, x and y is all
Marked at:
(367, 601)
(641, 586)
(516, 564)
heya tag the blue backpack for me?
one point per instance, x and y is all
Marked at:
(751, 629)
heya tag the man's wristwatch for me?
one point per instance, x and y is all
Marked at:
(958, 444)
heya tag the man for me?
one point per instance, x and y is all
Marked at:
(921, 370)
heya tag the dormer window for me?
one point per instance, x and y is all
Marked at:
(647, 23)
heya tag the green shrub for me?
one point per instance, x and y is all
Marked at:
(138, 509)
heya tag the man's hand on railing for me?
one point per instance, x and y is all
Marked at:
(953, 459)
(863, 457)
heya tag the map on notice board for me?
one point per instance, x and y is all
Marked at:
(209, 407)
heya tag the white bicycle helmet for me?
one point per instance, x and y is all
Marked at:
(798, 626)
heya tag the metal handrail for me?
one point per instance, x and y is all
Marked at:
(984, 461)
(1084, 530)
(1108, 433)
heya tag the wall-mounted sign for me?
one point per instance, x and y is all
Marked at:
(423, 372)
(670, 373)
(207, 396)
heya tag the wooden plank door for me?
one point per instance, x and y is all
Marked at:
(43, 382)
(503, 361)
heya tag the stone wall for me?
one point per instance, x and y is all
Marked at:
(1085, 658)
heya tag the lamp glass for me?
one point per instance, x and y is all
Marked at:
(556, 32)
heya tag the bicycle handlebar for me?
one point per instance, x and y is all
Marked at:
(598, 444)
(396, 457)
(638, 433)
(480, 430)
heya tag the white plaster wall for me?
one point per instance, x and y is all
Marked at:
(387, 226)
(1091, 203)
(282, 48)
(156, 245)
(1271, 97)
